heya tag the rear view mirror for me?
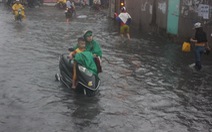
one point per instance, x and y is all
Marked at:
(70, 49)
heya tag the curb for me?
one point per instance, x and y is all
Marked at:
(49, 4)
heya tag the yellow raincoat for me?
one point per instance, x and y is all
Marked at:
(62, 1)
(15, 8)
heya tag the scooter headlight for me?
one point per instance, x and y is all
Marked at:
(86, 71)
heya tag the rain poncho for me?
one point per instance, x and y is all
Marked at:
(62, 1)
(15, 8)
(94, 48)
(124, 17)
(86, 59)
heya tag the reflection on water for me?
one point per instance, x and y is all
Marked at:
(86, 111)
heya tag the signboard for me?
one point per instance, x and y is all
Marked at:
(49, 1)
(203, 11)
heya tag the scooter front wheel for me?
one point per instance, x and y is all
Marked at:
(89, 93)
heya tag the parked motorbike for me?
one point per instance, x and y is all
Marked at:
(87, 82)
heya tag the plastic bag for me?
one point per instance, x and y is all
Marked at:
(207, 51)
(186, 47)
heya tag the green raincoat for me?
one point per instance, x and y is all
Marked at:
(86, 59)
(94, 48)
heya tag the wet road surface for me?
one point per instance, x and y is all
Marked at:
(147, 85)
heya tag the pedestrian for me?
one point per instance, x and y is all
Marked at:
(83, 3)
(96, 5)
(68, 11)
(125, 19)
(201, 44)
(81, 48)
(73, 7)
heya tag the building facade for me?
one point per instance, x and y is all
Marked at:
(171, 17)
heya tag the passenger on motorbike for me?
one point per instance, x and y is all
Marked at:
(18, 8)
(81, 48)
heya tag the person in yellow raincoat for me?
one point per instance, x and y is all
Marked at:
(61, 4)
(62, 1)
(16, 7)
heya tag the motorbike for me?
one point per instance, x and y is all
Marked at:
(19, 15)
(87, 82)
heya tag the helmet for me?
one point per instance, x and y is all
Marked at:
(197, 25)
(87, 33)
(123, 9)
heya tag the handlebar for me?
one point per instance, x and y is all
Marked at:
(70, 49)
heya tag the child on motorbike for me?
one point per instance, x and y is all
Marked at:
(18, 7)
(81, 48)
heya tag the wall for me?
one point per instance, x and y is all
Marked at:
(112, 8)
(190, 14)
(162, 13)
(151, 16)
(148, 15)
(135, 11)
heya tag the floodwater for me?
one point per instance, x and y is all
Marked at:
(147, 85)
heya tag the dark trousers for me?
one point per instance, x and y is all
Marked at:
(199, 50)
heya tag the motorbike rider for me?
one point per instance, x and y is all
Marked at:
(81, 48)
(94, 47)
(16, 7)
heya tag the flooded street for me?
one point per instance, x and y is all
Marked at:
(147, 85)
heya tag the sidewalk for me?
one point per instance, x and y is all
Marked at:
(49, 4)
